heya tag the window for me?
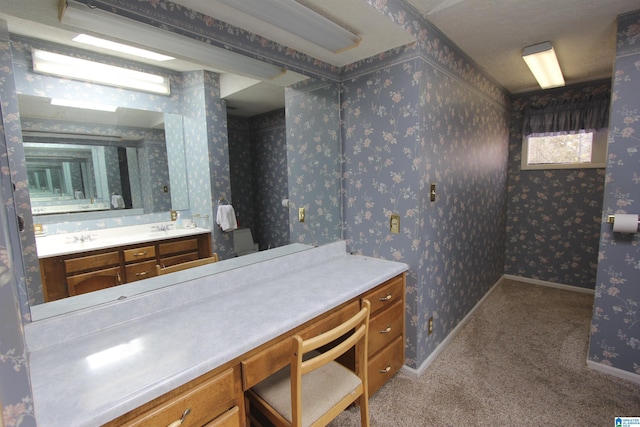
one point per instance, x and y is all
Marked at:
(565, 150)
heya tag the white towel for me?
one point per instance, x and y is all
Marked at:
(117, 201)
(226, 218)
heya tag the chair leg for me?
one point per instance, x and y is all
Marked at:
(364, 410)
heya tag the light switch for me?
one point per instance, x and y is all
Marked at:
(394, 224)
(301, 214)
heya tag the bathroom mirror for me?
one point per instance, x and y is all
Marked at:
(81, 160)
(312, 123)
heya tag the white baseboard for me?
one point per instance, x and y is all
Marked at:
(416, 373)
(625, 375)
(549, 284)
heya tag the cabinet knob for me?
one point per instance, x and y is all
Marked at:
(119, 278)
(387, 298)
(386, 370)
(181, 420)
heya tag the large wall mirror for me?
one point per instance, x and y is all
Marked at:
(71, 153)
(83, 160)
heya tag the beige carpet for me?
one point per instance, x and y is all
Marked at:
(519, 361)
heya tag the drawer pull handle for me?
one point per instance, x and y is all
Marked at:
(387, 298)
(142, 273)
(119, 278)
(181, 420)
(387, 330)
(385, 370)
(140, 253)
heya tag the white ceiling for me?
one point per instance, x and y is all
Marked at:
(491, 32)
(494, 32)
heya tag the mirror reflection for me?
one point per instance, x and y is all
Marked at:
(81, 160)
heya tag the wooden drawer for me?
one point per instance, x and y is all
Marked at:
(170, 248)
(386, 295)
(140, 270)
(207, 401)
(272, 359)
(91, 262)
(385, 326)
(229, 419)
(178, 259)
(385, 364)
(139, 254)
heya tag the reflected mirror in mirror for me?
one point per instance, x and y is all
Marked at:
(82, 160)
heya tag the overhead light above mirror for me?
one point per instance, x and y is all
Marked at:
(299, 20)
(120, 47)
(81, 69)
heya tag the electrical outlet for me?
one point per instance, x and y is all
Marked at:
(174, 215)
(430, 325)
(394, 224)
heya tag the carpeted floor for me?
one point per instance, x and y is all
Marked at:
(519, 361)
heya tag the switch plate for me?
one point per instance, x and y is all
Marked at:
(430, 326)
(301, 214)
(432, 193)
(394, 224)
(174, 215)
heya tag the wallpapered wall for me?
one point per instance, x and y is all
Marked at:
(553, 220)
(258, 161)
(615, 326)
(15, 394)
(414, 117)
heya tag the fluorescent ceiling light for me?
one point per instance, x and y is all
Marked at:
(299, 20)
(80, 69)
(543, 63)
(81, 16)
(122, 48)
(84, 105)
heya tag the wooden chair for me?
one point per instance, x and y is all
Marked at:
(315, 388)
(184, 265)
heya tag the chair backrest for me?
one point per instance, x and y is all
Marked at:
(335, 342)
(184, 265)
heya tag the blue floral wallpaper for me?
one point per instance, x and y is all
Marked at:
(15, 393)
(412, 118)
(615, 326)
(553, 219)
(314, 161)
(258, 161)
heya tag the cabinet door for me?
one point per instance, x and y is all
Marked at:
(94, 281)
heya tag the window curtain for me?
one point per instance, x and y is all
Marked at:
(567, 115)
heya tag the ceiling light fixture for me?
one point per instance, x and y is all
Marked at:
(81, 69)
(299, 20)
(83, 105)
(543, 63)
(122, 48)
(81, 16)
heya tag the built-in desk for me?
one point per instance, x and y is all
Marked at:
(165, 346)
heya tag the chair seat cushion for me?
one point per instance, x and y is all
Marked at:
(321, 390)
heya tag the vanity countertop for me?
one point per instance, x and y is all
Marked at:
(71, 243)
(91, 379)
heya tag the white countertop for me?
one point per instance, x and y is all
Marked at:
(153, 354)
(70, 243)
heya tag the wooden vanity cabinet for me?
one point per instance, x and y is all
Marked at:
(65, 275)
(386, 331)
(385, 344)
(213, 400)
